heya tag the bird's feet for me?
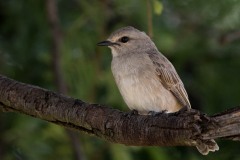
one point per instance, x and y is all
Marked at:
(153, 113)
(131, 113)
(182, 111)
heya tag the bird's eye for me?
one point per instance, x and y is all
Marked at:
(124, 39)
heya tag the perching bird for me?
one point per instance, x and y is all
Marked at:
(147, 80)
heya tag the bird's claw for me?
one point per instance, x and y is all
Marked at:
(131, 113)
(153, 113)
(181, 111)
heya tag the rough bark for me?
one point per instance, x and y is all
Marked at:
(182, 128)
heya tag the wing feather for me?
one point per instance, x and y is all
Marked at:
(169, 77)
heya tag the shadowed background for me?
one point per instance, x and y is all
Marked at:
(57, 51)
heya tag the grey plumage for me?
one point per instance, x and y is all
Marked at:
(169, 77)
(146, 79)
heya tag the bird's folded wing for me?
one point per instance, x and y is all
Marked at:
(169, 77)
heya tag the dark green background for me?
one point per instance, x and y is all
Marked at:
(193, 34)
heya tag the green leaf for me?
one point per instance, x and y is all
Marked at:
(157, 7)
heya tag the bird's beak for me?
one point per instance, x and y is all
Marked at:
(107, 43)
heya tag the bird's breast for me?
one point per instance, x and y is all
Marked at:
(140, 87)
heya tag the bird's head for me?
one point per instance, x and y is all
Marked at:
(127, 40)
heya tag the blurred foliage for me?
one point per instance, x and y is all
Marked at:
(190, 33)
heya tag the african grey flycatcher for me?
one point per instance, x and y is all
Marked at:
(146, 79)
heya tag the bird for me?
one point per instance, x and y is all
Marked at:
(146, 79)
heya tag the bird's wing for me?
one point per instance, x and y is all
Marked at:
(169, 77)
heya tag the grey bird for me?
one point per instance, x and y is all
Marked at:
(147, 80)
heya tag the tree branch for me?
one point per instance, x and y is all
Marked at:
(183, 128)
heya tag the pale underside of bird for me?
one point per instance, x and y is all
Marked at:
(147, 80)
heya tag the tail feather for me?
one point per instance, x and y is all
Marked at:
(225, 125)
(208, 146)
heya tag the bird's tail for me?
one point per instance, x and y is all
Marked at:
(208, 146)
(225, 125)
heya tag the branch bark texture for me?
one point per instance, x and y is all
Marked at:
(183, 128)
